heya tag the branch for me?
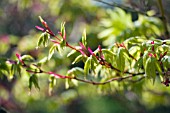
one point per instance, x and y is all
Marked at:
(84, 80)
(28, 67)
(83, 49)
(123, 7)
(163, 18)
(108, 81)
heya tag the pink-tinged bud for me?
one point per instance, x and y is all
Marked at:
(91, 52)
(64, 37)
(82, 46)
(45, 24)
(152, 42)
(154, 55)
(82, 52)
(40, 28)
(99, 47)
(100, 52)
(150, 54)
(20, 59)
(122, 45)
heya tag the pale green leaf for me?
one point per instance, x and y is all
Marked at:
(120, 59)
(51, 51)
(84, 40)
(71, 53)
(77, 59)
(87, 65)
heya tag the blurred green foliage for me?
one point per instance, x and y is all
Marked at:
(17, 35)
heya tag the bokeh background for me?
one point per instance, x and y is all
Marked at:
(105, 25)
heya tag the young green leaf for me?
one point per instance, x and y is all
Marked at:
(145, 56)
(27, 58)
(63, 43)
(87, 65)
(77, 59)
(75, 82)
(33, 80)
(166, 62)
(139, 63)
(150, 68)
(120, 59)
(71, 53)
(84, 40)
(42, 61)
(109, 52)
(67, 83)
(40, 40)
(43, 39)
(52, 83)
(62, 30)
(51, 51)
(46, 38)
(59, 49)
(158, 67)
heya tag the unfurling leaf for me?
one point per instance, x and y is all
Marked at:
(51, 51)
(63, 31)
(87, 65)
(84, 39)
(43, 39)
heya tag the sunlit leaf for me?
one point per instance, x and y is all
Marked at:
(43, 39)
(67, 83)
(77, 59)
(84, 40)
(27, 58)
(139, 63)
(71, 53)
(51, 51)
(40, 40)
(62, 30)
(46, 38)
(120, 59)
(150, 68)
(76, 71)
(87, 65)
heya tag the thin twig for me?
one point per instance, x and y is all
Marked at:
(40, 71)
(108, 81)
(113, 4)
(163, 18)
